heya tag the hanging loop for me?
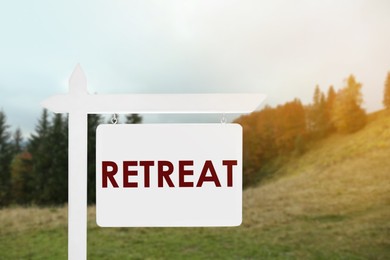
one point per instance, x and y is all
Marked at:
(223, 119)
(114, 119)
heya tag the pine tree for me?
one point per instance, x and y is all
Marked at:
(40, 150)
(93, 121)
(347, 115)
(386, 98)
(42, 130)
(22, 178)
(5, 161)
(55, 190)
(133, 119)
(17, 141)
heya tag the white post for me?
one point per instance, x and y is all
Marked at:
(77, 200)
(77, 171)
(78, 103)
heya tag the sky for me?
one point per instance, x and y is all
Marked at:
(281, 48)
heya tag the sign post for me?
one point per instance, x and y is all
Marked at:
(78, 103)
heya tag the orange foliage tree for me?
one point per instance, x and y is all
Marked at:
(268, 133)
(386, 97)
(347, 114)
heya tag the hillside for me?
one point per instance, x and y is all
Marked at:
(333, 202)
(337, 193)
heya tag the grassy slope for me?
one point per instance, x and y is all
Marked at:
(331, 203)
(334, 198)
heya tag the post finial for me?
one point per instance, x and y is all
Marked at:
(78, 81)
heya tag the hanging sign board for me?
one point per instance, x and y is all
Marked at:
(160, 175)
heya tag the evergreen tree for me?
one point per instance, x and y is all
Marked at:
(5, 161)
(22, 178)
(347, 115)
(386, 98)
(55, 190)
(17, 141)
(133, 119)
(40, 150)
(21, 171)
(93, 121)
(49, 152)
(42, 131)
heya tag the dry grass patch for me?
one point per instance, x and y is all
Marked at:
(22, 219)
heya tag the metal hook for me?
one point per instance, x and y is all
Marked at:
(114, 119)
(223, 119)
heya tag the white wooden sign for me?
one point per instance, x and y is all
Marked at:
(78, 103)
(169, 175)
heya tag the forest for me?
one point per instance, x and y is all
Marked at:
(35, 171)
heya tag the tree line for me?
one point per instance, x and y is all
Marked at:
(36, 171)
(287, 129)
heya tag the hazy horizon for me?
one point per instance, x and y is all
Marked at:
(280, 48)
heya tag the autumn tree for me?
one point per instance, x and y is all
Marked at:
(269, 133)
(386, 97)
(258, 141)
(330, 99)
(347, 114)
(290, 125)
(317, 116)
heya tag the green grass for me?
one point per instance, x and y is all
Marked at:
(333, 202)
